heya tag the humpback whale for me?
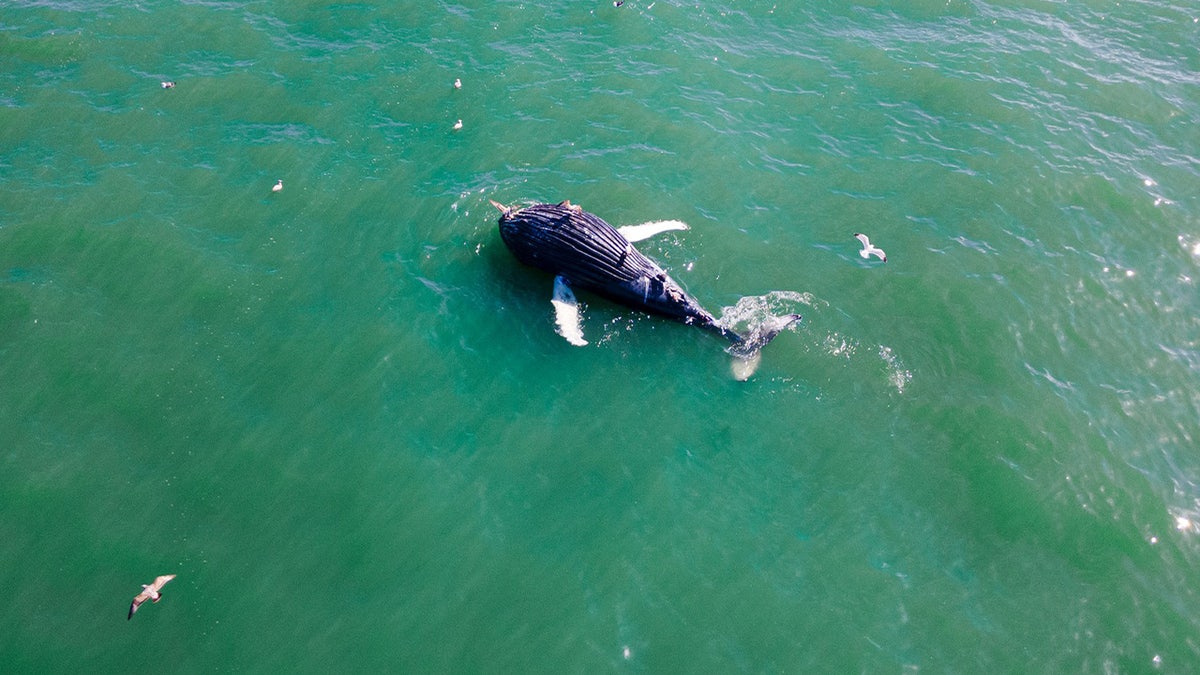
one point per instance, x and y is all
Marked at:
(583, 251)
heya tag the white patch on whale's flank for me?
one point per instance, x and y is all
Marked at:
(647, 230)
(566, 313)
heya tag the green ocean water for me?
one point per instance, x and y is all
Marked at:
(340, 413)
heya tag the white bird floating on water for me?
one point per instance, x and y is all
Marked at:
(168, 85)
(458, 125)
(457, 83)
(149, 592)
(869, 250)
(277, 186)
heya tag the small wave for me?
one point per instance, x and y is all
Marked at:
(265, 134)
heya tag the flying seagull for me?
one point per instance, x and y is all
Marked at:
(150, 592)
(869, 250)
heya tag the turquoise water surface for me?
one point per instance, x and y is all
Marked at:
(340, 413)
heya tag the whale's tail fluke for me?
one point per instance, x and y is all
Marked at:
(754, 322)
(758, 336)
(747, 347)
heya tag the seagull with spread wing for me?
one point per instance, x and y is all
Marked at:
(869, 249)
(150, 592)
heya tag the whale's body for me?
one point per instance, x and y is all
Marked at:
(588, 253)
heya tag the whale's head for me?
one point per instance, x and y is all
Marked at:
(539, 235)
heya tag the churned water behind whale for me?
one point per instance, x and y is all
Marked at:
(583, 251)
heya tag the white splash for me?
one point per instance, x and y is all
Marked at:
(898, 376)
(755, 311)
(837, 345)
(1190, 244)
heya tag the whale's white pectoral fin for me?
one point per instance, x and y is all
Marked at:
(566, 313)
(647, 230)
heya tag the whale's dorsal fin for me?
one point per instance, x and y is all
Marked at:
(566, 313)
(647, 230)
